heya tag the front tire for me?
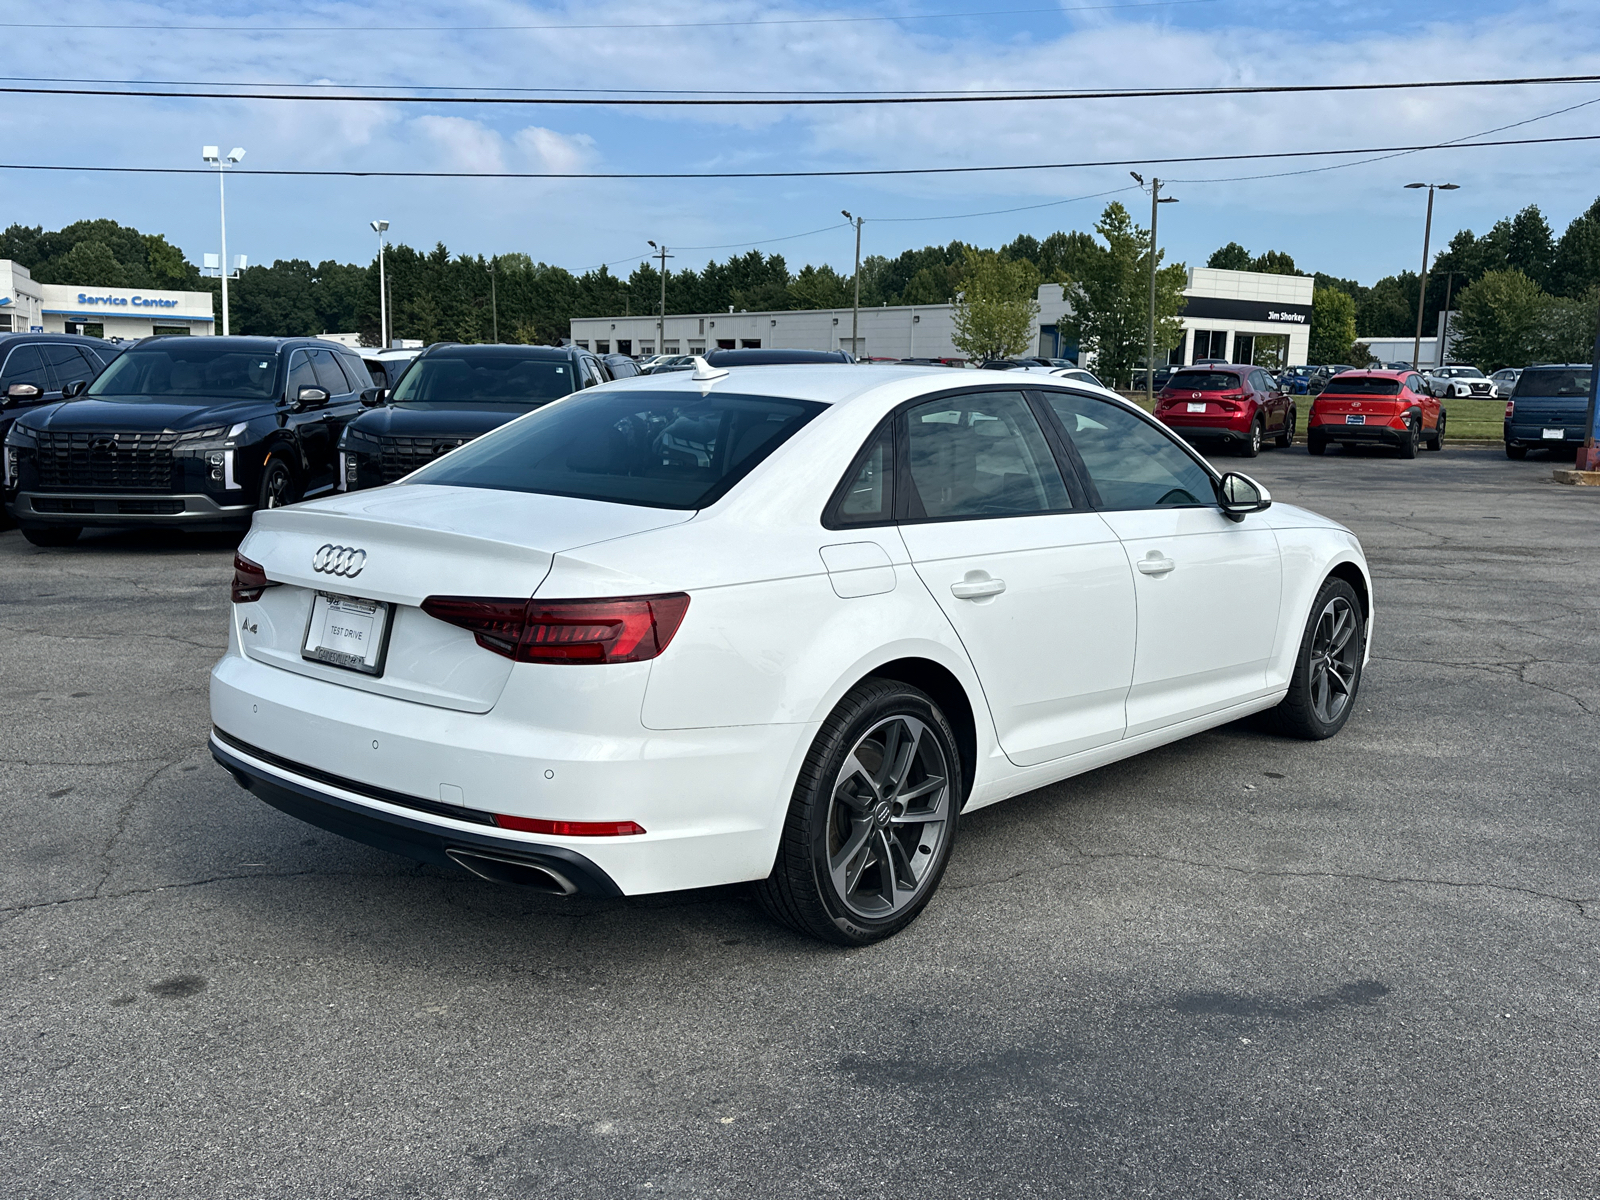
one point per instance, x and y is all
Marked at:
(1327, 671)
(51, 535)
(872, 819)
(277, 485)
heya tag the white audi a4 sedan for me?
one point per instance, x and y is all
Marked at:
(780, 625)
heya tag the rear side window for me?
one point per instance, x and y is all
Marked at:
(866, 496)
(355, 370)
(981, 455)
(1131, 463)
(658, 449)
(1554, 381)
(329, 376)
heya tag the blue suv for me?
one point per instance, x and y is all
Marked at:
(1547, 409)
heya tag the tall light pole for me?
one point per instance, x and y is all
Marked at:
(661, 318)
(494, 305)
(1156, 201)
(211, 155)
(1422, 292)
(855, 310)
(380, 228)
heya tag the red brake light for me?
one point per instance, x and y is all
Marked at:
(249, 580)
(569, 828)
(1510, 406)
(622, 629)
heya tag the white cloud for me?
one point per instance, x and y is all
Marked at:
(462, 145)
(557, 153)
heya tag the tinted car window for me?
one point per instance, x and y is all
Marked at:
(659, 449)
(1550, 381)
(66, 364)
(301, 374)
(868, 496)
(981, 455)
(24, 365)
(484, 377)
(355, 370)
(326, 367)
(184, 367)
(1347, 385)
(1205, 381)
(1132, 464)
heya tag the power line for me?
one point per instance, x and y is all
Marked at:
(828, 174)
(742, 101)
(257, 30)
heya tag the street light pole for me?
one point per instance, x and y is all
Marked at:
(661, 318)
(1150, 347)
(380, 228)
(855, 310)
(494, 306)
(1422, 291)
(211, 155)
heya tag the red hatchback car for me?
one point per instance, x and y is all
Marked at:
(1376, 408)
(1238, 405)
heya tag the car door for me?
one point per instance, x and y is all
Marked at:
(319, 427)
(1208, 587)
(1034, 582)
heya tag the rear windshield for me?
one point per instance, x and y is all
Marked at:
(1345, 385)
(1205, 381)
(478, 377)
(175, 368)
(658, 449)
(1541, 381)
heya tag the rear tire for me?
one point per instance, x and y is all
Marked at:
(1316, 445)
(51, 535)
(1327, 670)
(1285, 439)
(1252, 445)
(1436, 442)
(1408, 448)
(855, 863)
(1517, 452)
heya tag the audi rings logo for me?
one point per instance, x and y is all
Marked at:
(344, 561)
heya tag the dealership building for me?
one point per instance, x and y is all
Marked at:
(114, 313)
(1238, 316)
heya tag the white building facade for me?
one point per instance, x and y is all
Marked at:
(1238, 316)
(27, 306)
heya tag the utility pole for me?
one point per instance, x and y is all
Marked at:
(661, 318)
(855, 311)
(494, 305)
(380, 228)
(1150, 347)
(1422, 291)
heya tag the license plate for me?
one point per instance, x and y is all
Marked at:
(1555, 435)
(1352, 419)
(1193, 407)
(347, 631)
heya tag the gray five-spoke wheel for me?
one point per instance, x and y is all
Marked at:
(1335, 657)
(887, 817)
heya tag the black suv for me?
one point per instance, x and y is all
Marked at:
(35, 368)
(451, 394)
(184, 432)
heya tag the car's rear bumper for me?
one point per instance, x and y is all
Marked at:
(1235, 428)
(1357, 435)
(130, 508)
(1520, 433)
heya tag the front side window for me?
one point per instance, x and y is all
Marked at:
(981, 455)
(301, 374)
(1131, 463)
(176, 369)
(24, 365)
(659, 449)
(497, 378)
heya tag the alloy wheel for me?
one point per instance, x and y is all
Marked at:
(1335, 655)
(888, 817)
(277, 486)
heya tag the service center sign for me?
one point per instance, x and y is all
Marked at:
(89, 301)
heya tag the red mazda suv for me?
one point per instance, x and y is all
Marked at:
(1377, 408)
(1238, 405)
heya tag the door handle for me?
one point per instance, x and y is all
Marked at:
(1155, 563)
(976, 586)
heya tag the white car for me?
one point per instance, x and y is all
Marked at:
(779, 625)
(1505, 381)
(1461, 383)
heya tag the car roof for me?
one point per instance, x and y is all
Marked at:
(499, 349)
(1375, 373)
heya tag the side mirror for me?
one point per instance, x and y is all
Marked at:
(23, 393)
(310, 397)
(74, 389)
(373, 397)
(1240, 495)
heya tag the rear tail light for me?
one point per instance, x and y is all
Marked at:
(569, 828)
(249, 580)
(623, 629)
(1511, 407)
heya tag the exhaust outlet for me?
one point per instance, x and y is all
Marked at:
(497, 868)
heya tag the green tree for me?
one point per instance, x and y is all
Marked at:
(996, 308)
(88, 264)
(1333, 327)
(820, 287)
(1111, 300)
(1275, 262)
(1576, 266)
(1501, 321)
(1232, 257)
(1569, 327)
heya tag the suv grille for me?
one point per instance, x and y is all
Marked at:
(106, 462)
(403, 455)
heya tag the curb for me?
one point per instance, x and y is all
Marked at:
(1577, 478)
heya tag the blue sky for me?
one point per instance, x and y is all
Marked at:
(1355, 221)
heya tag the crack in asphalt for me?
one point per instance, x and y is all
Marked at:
(167, 887)
(1517, 669)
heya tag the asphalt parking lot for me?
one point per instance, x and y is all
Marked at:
(1236, 967)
